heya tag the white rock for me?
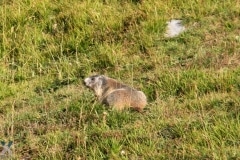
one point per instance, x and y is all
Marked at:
(174, 28)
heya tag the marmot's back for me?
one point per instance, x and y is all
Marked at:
(123, 98)
(116, 94)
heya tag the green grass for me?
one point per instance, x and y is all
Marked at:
(192, 81)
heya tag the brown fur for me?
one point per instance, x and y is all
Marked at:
(116, 94)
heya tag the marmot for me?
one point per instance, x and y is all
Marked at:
(115, 94)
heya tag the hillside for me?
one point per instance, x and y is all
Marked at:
(192, 81)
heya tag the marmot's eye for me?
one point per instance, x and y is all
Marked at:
(92, 79)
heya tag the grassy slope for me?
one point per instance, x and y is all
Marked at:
(192, 81)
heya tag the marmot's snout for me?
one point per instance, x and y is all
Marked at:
(90, 81)
(87, 82)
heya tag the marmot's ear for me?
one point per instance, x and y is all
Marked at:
(103, 79)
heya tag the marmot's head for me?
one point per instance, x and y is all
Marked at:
(96, 82)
